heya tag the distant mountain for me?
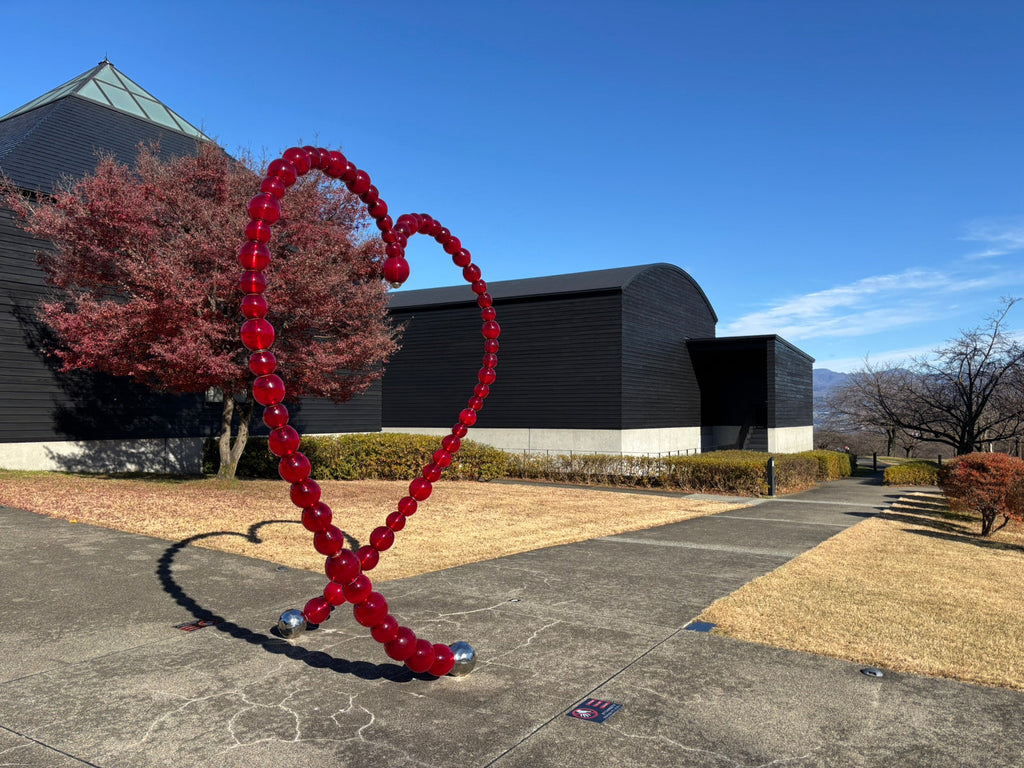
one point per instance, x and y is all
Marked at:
(825, 381)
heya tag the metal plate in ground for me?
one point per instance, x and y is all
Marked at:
(594, 710)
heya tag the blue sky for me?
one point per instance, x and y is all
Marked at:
(849, 175)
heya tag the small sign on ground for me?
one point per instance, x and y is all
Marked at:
(192, 626)
(594, 710)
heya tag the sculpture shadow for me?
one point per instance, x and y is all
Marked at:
(270, 642)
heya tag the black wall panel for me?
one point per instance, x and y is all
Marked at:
(662, 308)
(559, 364)
(791, 399)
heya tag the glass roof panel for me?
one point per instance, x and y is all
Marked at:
(121, 99)
(92, 91)
(158, 113)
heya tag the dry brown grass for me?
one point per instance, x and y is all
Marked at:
(915, 590)
(460, 523)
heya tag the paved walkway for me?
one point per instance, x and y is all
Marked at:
(93, 672)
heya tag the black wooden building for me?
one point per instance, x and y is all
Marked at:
(619, 360)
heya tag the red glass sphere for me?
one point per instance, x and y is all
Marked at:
(349, 174)
(432, 472)
(407, 506)
(462, 258)
(358, 589)
(452, 245)
(254, 305)
(451, 443)
(385, 223)
(444, 660)
(471, 273)
(372, 610)
(491, 330)
(314, 155)
(423, 657)
(385, 630)
(343, 567)
(420, 488)
(395, 250)
(299, 158)
(334, 594)
(370, 196)
(396, 270)
(378, 210)
(490, 360)
(468, 417)
(475, 403)
(481, 390)
(395, 522)
(409, 221)
(317, 611)
(329, 541)
(253, 254)
(442, 235)
(460, 430)
(402, 646)
(283, 170)
(488, 313)
(262, 363)
(381, 538)
(491, 346)
(252, 281)
(268, 389)
(337, 164)
(275, 416)
(360, 183)
(479, 287)
(294, 468)
(486, 376)
(283, 441)
(273, 186)
(442, 458)
(484, 300)
(305, 494)
(368, 557)
(257, 334)
(265, 207)
(317, 517)
(259, 231)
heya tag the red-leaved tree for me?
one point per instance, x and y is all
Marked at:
(144, 263)
(990, 484)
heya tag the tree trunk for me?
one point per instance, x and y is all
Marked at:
(230, 454)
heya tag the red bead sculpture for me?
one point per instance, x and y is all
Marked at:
(347, 569)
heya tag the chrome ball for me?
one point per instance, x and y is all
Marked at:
(292, 623)
(395, 284)
(465, 658)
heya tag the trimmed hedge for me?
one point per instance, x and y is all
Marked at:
(394, 456)
(376, 456)
(920, 472)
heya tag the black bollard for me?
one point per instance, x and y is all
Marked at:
(771, 475)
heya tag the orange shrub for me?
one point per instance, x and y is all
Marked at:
(989, 484)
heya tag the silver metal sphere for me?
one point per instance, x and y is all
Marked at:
(465, 658)
(395, 284)
(292, 623)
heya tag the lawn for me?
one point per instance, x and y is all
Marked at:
(913, 590)
(462, 522)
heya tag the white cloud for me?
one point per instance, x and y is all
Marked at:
(1001, 236)
(869, 305)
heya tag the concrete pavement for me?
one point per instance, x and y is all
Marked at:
(93, 671)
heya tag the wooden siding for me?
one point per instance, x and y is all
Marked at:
(791, 389)
(662, 307)
(39, 148)
(559, 364)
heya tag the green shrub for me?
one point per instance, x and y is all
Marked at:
(912, 473)
(989, 484)
(833, 465)
(732, 472)
(797, 471)
(375, 456)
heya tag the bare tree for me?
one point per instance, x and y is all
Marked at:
(968, 392)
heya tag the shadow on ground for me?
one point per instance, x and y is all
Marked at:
(271, 643)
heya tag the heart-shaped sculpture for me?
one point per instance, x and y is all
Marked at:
(347, 569)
